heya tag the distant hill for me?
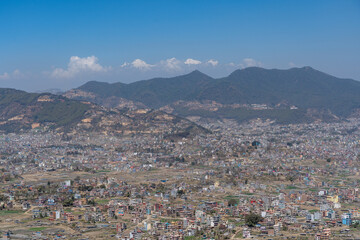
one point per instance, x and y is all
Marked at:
(301, 94)
(155, 92)
(21, 111)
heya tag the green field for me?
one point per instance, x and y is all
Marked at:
(7, 212)
(102, 201)
(37, 229)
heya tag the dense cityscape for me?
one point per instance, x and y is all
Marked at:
(253, 180)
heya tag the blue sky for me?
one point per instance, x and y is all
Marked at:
(62, 44)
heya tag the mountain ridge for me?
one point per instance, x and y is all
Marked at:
(305, 88)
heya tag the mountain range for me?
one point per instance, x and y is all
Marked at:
(22, 111)
(293, 95)
(159, 105)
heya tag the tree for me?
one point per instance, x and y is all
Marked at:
(3, 198)
(180, 192)
(291, 178)
(91, 202)
(252, 219)
(41, 189)
(68, 202)
(233, 202)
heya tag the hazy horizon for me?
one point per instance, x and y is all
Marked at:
(59, 89)
(65, 44)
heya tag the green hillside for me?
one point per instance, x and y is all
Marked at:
(305, 88)
(58, 111)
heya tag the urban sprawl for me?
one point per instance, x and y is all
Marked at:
(254, 180)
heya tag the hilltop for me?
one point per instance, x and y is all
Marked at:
(21, 111)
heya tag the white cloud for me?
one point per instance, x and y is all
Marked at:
(125, 64)
(82, 67)
(191, 61)
(213, 62)
(246, 62)
(249, 62)
(78, 65)
(16, 74)
(291, 64)
(140, 64)
(171, 64)
(4, 76)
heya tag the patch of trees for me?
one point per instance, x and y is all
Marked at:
(68, 202)
(252, 219)
(233, 202)
(85, 188)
